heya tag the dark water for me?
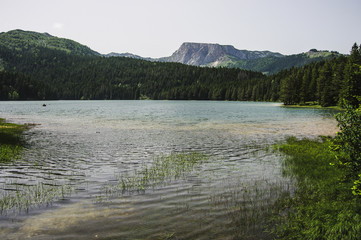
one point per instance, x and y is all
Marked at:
(89, 145)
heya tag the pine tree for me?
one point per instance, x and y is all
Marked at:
(324, 85)
(352, 82)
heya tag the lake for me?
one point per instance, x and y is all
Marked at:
(90, 148)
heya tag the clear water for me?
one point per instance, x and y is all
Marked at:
(89, 144)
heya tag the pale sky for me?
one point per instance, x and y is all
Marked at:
(156, 28)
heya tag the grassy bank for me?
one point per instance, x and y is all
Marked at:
(10, 140)
(311, 105)
(322, 207)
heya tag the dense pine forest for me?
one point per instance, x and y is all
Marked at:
(325, 83)
(53, 74)
(49, 73)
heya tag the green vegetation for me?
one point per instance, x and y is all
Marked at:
(313, 105)
(326, 83)
(327, 203)
(250, 207)
(273, 65)
(162, 169)
(347, 146)
(63, 69)
(10, 140)
(322, 207)
(53, 74)
(24, 197)
(19, 41)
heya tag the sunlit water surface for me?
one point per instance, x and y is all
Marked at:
(90, 144)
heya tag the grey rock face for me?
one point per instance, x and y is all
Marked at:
(204, 53)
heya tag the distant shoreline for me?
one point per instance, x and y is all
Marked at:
(316, 106)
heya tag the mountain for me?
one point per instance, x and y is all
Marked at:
(216, 55)
(31, 70)
(205, 54)
(19, 40)
(128, 55)
(197, 54)
(36, 66)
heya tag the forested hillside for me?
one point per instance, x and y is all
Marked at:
(54, 74)
(325, 83)
(33, 71)
(19, 40)
(273, 65)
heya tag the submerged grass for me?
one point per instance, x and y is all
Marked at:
(22, 198)
(250, 207)
(163, 168)
(322, 207)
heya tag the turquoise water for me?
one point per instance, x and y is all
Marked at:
(89, 145)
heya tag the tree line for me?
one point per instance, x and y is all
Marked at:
(326, 83)
(53, 74)
(46, 73)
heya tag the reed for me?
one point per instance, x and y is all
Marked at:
(23, 198)
(163, 168)
(250, 207)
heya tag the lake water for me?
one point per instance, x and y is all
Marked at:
(90, 145)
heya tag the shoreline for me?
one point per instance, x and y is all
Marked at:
(316, 106)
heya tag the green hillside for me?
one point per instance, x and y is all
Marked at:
(272, 65)
(39, 72)
(19, 40)
(30, 70)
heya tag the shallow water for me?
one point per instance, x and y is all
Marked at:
(89, 145)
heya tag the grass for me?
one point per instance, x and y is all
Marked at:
(250, 207)
(25, 197)
(322, 207)
(10, 140)
(22, 197)
(9, 152)
(164, 168)
(313, 105)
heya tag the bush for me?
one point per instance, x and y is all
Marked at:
(347, 147)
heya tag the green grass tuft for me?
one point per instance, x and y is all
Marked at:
(10, 140)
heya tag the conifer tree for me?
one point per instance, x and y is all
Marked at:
(352, 83)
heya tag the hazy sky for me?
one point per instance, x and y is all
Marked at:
(156, 28)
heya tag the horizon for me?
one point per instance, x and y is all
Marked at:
(158, 28)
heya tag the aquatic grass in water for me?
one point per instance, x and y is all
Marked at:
(250, 207)
(163, 168)
(25, 197)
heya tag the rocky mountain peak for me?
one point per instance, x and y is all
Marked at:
(210, 54)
